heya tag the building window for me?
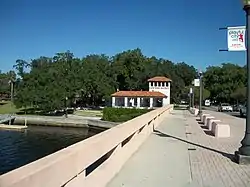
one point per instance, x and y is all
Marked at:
(152, 83)
(155, 83)
(166, 84)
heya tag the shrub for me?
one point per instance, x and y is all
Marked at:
(122, 114)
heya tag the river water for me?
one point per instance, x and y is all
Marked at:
(18, 148)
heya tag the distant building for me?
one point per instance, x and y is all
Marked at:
(158, 95)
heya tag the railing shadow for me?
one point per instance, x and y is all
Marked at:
(204, 128)
(227, 155)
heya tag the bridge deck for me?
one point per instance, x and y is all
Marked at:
(180, 154)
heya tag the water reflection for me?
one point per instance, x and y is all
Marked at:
(18, 148)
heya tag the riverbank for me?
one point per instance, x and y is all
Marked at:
(61, 121)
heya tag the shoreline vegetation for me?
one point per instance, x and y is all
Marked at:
(53, 82)
(106, 118)
(122, 114)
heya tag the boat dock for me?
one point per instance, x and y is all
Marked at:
(6, 122)
(3, 126)
(6, 118)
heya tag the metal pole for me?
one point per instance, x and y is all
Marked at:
(190, 100)
(193, 98)
(243, 155)
(66, 111)
(200, 104)
(11, 90)
(11, 94)
(66, 98)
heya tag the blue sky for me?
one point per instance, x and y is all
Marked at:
(178, 30)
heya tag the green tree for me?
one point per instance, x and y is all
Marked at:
(45, 82)
(239, 95)
(223, 80)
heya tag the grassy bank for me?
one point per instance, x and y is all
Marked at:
(8, 108)
(108, 114)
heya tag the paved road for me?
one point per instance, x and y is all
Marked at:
(236, 122)
(214, 108)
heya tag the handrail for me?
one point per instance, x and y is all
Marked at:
(64, 165)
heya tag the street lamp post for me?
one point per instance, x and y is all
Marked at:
(11, 82)
(66, 110)
(190, 100)
(193, 98)
(11, 90)
(190, 97)
(243, 154)
(201, 86)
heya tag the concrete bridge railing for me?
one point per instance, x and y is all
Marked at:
(92, 162)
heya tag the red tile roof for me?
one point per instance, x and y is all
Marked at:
(159, 79)
(138, 94)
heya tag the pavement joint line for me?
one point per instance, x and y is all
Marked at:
(189, 146)
(192, 149)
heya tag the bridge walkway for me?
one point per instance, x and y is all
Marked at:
(181, 154)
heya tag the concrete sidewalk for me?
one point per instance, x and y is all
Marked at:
(212, 161)
(180, 154)
(161, 161)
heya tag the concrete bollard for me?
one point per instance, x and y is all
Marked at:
(210, 121)
(220, 130)
(203, 117)
(206, 119)
(196, 111)
(191, 110)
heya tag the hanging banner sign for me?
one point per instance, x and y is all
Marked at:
(191, 90)
(236, 38)
(196, 82)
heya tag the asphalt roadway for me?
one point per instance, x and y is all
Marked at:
(215, 108)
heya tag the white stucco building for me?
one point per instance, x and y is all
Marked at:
(158, 95)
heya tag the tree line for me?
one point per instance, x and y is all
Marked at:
(226, 83)
(50, 83)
